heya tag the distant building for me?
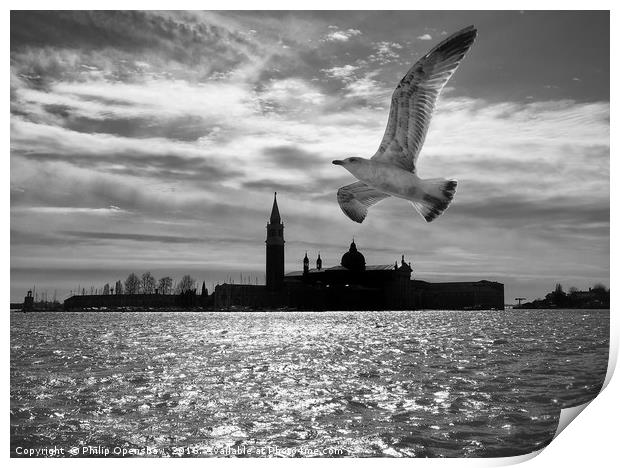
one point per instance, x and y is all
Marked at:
(28, 302)
(274, 272)
(352, 285)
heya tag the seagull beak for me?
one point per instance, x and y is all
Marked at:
(337, 162)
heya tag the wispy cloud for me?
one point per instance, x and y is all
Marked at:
(344, 72)
(132, 237)
(68, 210)
(292, 157)
(341, 35)
(365, 87)
(385, 52)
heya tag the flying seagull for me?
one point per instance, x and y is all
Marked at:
(392, 170)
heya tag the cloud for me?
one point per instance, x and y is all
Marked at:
(526, 211)
(64, 210)
(425, 37)
(290, 94)
(160, 98)
(132, 237)
(366, 87)
(385, 52)
(292, 157)
(344, 73)
(44, 43)
(342, 35)
(148, 157)
(270, 185)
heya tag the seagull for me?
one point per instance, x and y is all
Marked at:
(392, 170)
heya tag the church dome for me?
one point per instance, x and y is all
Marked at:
(353, 259)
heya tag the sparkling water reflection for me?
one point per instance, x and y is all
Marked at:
(407, 384)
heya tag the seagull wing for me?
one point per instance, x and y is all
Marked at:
(413, 100)
(355, 199)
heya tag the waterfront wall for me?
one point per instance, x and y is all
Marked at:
(460, 295)
(257, 297)
(398, 294)
(138, 301)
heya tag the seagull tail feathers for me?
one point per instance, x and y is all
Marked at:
(438, 194)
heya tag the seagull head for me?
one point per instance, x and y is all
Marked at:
(359, 167)
(348, 162)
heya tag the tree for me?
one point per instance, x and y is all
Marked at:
(147, 284)
(165, 285)
(558, 296)
(602, 294)
(119, 287)
(186, 284)
(106, 289)
(204, 289)
(132, 284)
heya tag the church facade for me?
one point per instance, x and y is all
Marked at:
(352, 285)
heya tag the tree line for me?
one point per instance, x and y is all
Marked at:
(598, 296)
(597, 292)
(147, 284)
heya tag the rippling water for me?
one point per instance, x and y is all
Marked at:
(331, 383)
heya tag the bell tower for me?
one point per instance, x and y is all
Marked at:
(275, 249)
(306, 264)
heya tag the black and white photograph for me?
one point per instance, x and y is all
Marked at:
(306, 234)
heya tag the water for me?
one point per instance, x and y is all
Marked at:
(411, 384)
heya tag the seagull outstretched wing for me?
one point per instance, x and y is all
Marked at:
(414, 99)
(355, 199)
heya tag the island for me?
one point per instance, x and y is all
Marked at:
(596, 297)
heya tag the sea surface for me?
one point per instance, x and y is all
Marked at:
(279, 384)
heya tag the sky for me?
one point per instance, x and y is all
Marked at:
(154, 141)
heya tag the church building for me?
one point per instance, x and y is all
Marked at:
(351, 285)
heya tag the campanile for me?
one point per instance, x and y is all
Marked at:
(274, 274)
